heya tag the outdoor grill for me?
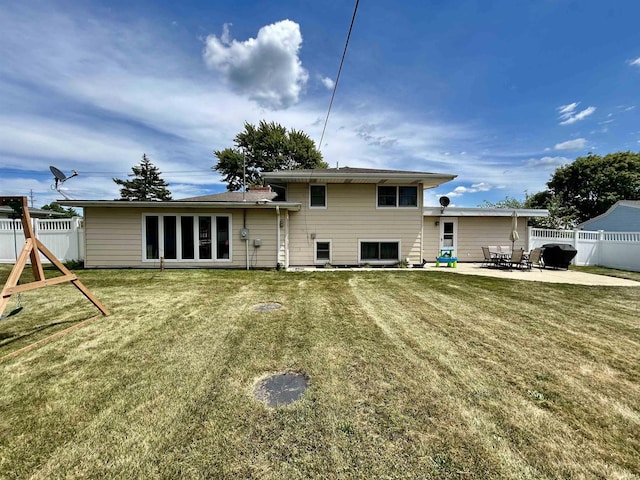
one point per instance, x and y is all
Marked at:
(558, 255)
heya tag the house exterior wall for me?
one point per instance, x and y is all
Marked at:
(351, 216)
(473, 233)
(622, 218)
(113, 238)
(431, 244)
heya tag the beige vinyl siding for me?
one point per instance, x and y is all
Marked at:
(431, 243)
(351, 216)
(261, 225)
(474, 233)
(113, 238)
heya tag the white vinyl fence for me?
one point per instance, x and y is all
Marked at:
(64, 237)
(606, 249)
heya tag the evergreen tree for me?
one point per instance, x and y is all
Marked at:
(145, 185)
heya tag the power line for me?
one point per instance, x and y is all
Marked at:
(335, 86)
(85, 172)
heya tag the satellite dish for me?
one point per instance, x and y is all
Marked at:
(59, 178)
(444, 201)
(57, 174)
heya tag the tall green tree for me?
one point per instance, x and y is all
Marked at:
(146, 183)
(57, 208)
(506, 202)
(544, 200)
(265, 148)
(589, 186)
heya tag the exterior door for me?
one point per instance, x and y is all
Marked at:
(449, 234)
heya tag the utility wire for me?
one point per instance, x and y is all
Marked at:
(335, 86)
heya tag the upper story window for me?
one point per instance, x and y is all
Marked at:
(407, 196)
(318, 196)
(404, 196)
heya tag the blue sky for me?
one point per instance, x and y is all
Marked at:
(498, 92)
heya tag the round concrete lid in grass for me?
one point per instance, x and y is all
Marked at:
(281, 388)
(267, 307)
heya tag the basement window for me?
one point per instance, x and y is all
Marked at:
(379, 251)
(323, 251)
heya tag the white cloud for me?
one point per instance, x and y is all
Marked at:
(476, 187)
(635, 62)
(567, 109)
(568, 114)
(577, 144)
(106, 92)
(266, 68)
(547, 162)
(328, 83)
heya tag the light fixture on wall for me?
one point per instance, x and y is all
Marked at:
(437, 223)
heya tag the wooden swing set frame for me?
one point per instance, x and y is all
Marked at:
(31, 250)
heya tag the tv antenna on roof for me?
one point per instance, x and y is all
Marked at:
(59, 178)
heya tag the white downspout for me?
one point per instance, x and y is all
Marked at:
(277, 237)
(246, 240)
(286, 238)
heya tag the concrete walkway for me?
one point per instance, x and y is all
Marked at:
(537, 275)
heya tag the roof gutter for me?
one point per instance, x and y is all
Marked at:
(483, 212)
(260, 204)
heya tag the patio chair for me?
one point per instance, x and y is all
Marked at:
(490, 259)
(535, 258)
(517, 259)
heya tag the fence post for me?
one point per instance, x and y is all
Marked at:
(79, 238)
(599, 246)
(575, 244)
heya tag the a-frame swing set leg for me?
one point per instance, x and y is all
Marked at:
(32, 249)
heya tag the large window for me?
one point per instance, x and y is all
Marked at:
(186, 237)
(152, 237)
(188, 246)
(222, 237)
(373, 251)
(170, 238)
(397, 196)
(318, 196)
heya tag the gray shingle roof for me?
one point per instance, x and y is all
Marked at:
(347, 170)
(250, 196)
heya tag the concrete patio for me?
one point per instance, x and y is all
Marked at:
(537, 275)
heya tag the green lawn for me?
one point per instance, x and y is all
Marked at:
(413, 375)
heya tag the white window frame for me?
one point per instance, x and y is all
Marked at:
(315, 251)
(397, 205)
(324, 186)
(379, 240)
(196, 251)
